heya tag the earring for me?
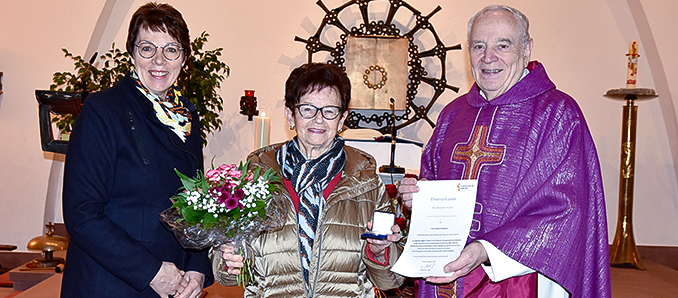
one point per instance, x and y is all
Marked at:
(291, 127)
(339, 130)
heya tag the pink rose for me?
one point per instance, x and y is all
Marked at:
(225, 195)
(239, 194)
(391, 190)
(231, 203)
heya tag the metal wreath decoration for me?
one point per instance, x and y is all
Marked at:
(417, 73)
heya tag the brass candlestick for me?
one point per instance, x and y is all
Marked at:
(623, 251)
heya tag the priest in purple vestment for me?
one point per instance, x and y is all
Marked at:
(539, 228)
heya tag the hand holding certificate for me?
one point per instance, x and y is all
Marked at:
(442, 211)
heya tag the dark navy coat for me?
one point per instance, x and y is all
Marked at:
(119, 175)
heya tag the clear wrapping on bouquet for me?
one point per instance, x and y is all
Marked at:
(234, 232)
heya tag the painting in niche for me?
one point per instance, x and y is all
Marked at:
(377, 68)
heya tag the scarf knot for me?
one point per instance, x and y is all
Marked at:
(169, 110)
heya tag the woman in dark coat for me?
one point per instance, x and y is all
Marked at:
(119, 173)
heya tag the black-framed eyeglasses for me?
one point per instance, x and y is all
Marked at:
(147, 50)
(308, 111)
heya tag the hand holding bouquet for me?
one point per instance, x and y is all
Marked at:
(228, 204)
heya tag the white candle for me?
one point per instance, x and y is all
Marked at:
(632, 66)
(262, 131)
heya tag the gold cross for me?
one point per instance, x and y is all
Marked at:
(477, 152)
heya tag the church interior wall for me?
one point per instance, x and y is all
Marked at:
(582, 44)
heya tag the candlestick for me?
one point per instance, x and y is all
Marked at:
(262, 131)
(623, 250)
(632, 66)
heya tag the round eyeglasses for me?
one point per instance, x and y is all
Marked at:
(308, 111)
(147, 50)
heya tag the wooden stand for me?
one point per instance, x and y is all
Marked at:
(623, 251)
(24, 277)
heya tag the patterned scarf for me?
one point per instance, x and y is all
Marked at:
(169, 110)
(309, 178)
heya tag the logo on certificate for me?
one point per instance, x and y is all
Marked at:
(465, 187)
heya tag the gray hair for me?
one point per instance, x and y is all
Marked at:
(519, 16)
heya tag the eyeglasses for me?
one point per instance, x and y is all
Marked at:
(308, 111)
(147, 50)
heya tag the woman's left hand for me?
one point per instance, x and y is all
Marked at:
(378, 247)
(194, 288)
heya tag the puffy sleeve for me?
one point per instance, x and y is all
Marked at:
(379, 274)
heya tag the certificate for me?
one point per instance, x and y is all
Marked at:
(441, 217)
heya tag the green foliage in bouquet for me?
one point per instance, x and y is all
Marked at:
(199, 81)
(229, 204)
(228, 198)
(231, 200)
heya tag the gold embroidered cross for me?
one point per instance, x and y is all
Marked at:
(477, 152)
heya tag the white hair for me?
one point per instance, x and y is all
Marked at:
(519, 16)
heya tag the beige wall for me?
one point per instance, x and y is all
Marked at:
(581, 42)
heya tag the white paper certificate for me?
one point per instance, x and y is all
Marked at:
(441, 217)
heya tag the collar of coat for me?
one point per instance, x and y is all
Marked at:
(359, 175)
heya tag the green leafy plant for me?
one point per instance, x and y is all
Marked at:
(199, 81)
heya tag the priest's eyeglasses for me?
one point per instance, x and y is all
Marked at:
(308, 111)
(147, 50)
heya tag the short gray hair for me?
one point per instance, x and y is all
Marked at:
(519, 16)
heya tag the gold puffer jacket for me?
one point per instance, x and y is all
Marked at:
(340, 267)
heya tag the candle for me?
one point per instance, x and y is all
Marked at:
(262, 131)
(632, 66)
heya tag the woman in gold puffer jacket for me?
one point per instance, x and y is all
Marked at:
(341, 268)
(329, 191)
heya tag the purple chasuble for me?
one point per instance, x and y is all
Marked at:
(540, 193)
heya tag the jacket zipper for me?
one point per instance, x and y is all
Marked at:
(317, 264)
(184, 150)
(321, 221)
(136, 135)
(319, 243)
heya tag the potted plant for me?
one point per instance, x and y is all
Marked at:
(199, 81)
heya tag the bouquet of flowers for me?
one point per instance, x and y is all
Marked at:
(228, 204)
